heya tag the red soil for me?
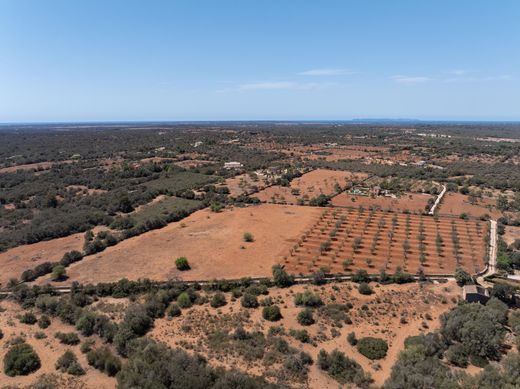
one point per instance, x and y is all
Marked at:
(212, 242)
(373, 254)
(410, 201)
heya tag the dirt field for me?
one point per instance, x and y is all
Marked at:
(243, 184)
(312, 184)
(13, 262)
(457, 203)
(31, 166)
(373, 240)
(382, 319)
(49, 350)
(212, 242)
(412, 202)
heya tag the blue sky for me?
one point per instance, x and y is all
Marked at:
(89, 60)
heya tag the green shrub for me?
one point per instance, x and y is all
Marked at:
(68, 363)
(364, 288)
(1, 334)
(305, 317)
(248, 237)
(462, 277)
(218, 300)
(103, 360)
(174, 310)
(281, 278)
(58, 273)
(86, 346)
(351, 338)
(301, 335)
(361, 276)
(28, 318)
(308, 299)
(182, 264)
(184, 300)
(249, 300)
(271, 313)
(21, 359)
(342, 369)
(44, 321)
(372, 348)
(70, 338)
(457, 355)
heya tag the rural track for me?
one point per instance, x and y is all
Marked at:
(492, 263)
(256, 280)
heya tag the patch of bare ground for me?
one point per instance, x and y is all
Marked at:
(190, 163)
(39, 166)
(414, 202)
(14, 261)
(457, 203)
(393, 313)
(212, 242)
(244, 184)
(49, 349)
(312, 184)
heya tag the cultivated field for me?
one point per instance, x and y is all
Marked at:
(212, 242)
(412, 202)
(373, 240)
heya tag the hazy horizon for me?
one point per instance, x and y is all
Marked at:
(98, 61)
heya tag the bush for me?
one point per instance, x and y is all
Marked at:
(137, 320)
(1, 334)
(58, 273)
(86, 346)
(28, 318)
(184, 300)
(103, 360)
(308, 299)
(248, 237)
(173, 310)
(177, 369)
(342, 369)
(372, 348)
(71, 257)
(281, 278)
(271, 313)
(462, 277)
(218, 300)
(21, 359)
(249, 300)
(305, 317)
(361, 276)
(68, 363)
(182, 264)
(457, 355)
(351, 339)
(301, 335)
(364, 288)
(44, 321)
(70, 338)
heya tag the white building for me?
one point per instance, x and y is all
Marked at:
(232, 165)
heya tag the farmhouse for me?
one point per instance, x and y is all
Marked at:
(232, 165)
(475, 294)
